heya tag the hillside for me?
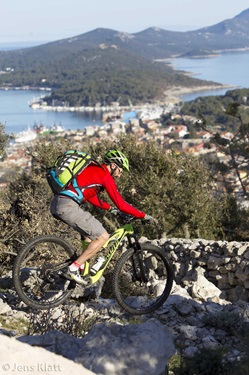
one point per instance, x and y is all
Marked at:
(99, 74)
(106, 65)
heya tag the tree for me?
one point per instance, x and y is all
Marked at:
(4, 138)
(235, 146)
(176, 189)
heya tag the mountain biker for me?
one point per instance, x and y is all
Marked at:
(93, 234)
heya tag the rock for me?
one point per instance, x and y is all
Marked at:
(189, 332)
(209, 342)
(137, 349)
(114, 349)
(107, 342)
(243, 250)
(214, 262)
(204, 290)
(4, 307)
(17, 357)
(56, 342)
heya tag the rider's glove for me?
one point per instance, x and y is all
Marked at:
(149, 218)
(114, 211)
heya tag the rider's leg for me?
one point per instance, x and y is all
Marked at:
(82, 221)
(92, 248)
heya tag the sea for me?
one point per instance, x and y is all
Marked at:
(17, 115)
(230, 68)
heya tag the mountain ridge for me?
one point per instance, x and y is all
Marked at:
(103, 65)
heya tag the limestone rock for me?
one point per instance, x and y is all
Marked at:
(204, 290)
(20, 358)
(137, 349)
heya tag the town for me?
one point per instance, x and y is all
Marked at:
(145, 123)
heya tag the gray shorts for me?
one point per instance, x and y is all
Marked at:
(75, 216)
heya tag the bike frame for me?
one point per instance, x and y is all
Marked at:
(115, 240)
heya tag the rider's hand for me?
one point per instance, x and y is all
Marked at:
(149, 218)
(114, 211)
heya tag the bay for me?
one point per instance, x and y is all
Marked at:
(228, 68)
(18, 116)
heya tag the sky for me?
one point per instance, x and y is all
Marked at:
(51, 20)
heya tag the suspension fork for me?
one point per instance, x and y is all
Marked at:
(137, 259)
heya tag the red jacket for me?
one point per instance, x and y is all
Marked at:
(94, 174)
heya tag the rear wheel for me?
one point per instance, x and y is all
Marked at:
(143, 280)
(37, 269)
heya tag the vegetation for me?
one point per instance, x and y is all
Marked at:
(211, 361)
(4, 138)
(88, 84)
(197, 53)
(226, 119)
(181, 191)
(92, 69)
(132, 86)
(176, 189)
(212, 109)
(105, 66)
(204, 362)
(19, 325)
(227, 321)
(70, 322)
(215, 360)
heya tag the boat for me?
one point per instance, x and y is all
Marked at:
(25, 136)
(43, 129)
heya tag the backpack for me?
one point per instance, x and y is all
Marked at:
(65, 170)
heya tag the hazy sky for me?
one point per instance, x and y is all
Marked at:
(50, 20)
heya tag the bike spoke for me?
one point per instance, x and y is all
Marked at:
(37, 273)
(142, 286)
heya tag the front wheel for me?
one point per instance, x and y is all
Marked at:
(142, 280)
(36, 272)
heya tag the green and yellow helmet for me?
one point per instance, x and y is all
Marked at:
(117, 157)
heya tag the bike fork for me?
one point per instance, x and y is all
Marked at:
(138, 264)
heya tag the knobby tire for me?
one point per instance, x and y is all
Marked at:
(132, 292)
(36, 272)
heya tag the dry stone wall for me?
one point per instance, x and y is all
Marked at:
(225, 264)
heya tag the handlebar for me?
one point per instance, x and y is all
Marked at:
(126, 218)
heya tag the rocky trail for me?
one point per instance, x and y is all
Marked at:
(98, 337)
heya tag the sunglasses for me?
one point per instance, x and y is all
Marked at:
(119, 169)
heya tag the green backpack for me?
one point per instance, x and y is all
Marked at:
(64, 171)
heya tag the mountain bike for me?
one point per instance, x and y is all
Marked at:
(141, 281)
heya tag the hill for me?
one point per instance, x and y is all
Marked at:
(106, 65)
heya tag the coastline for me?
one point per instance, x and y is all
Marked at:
(171, 95)
(175, 92)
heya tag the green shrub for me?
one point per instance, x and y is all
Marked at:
(228, 321)
(204, 362)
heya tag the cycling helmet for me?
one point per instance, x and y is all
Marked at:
(117, 157)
